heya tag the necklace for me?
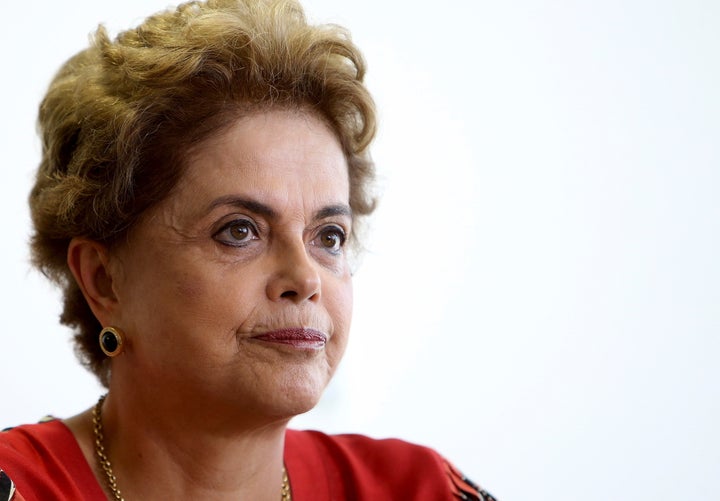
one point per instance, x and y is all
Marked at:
(107, 467)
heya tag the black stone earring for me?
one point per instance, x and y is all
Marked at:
(111, 341)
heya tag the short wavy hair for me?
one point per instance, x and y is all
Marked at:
(120, 116)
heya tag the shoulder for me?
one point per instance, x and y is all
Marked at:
(362, 448)
(43, 460)
(27, 443)
(380, 469)
(23, 458)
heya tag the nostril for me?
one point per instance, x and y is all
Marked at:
(289, 294)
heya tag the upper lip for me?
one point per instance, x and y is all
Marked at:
(297, 333)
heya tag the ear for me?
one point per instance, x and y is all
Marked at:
(89, 263)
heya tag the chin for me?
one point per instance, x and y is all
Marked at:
(300, 395)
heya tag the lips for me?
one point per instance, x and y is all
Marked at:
(300, 338)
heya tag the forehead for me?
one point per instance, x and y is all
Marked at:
(282, 157)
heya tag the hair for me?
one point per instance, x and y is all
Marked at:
(120, 117)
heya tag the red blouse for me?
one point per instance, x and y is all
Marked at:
(44, 462)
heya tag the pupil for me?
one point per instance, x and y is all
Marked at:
(330, 240)
(239, 232)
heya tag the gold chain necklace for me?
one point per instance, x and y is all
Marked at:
(107, 467)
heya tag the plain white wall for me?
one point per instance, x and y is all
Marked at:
(539, 301)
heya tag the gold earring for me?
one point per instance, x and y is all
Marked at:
(111, 341)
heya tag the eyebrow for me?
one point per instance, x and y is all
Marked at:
(244, 203)
(268, 212)
(334, 210)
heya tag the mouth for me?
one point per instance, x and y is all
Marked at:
(299, 338)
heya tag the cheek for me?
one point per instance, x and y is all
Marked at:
(209, 300)
(189, 289)
(340, 302)
(174, 301)
(339, 305)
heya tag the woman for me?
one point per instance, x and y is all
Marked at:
(201, 184)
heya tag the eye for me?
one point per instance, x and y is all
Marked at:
(332, 238)
(237, 233)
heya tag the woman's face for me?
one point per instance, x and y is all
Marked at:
(235, 290)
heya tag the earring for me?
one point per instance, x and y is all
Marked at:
(111, 341)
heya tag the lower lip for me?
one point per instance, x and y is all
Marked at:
(301, 339)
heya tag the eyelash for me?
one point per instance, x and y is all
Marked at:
(225, 237)
(231, 240)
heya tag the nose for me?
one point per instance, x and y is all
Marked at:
(295, 276)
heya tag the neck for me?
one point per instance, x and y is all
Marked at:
(182, 457)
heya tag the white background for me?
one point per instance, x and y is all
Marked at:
(540, 298)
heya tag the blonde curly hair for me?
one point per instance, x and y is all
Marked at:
(120, 116)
